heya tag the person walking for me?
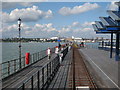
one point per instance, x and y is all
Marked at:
(48, 53)
(56, 50)
(60, 57)
(62, 48)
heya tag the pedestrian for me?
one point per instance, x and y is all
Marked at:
(60, 57)
(48, 53)
(62, 48)
(56, 50)
(59, 46)
(69, 47)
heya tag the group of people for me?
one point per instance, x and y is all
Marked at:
(57, 51)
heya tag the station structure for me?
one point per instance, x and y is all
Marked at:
(110, 25)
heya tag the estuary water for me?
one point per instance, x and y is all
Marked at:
(10, 51)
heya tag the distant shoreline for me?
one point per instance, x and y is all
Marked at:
(39, 42)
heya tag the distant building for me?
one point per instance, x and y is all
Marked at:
(53, 38)
(69, 39)
(78, 39)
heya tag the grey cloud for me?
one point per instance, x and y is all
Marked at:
(48, 30)
(27, 15)
(112, 6)
(8, 5)
(78, 9)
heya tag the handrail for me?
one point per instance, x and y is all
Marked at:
(42, 78)
(12, 66)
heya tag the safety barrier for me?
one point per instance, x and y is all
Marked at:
(10, 67)
(43, 77)
(92, 46)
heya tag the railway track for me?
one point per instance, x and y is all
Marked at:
(79, 74)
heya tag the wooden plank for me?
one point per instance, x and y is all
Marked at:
(59, 77)
(17, 79)
(55, 78)
(64, 79)
(69, 72)
(60, 80)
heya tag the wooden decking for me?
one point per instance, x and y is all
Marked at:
(19, 78)
(62, 76)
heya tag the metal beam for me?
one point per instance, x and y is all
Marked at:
(117, 47)
(108, 22)
(95, 27)
(111, 48)
(117, 3)
(100, 25)
(115, 15)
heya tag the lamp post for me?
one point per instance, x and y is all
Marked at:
(19, 28)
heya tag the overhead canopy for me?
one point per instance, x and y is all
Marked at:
(95, 27)
(100, 25)
(108, 22)
(115, 15)
(117, 3)
(98, 30)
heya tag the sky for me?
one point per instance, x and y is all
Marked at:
(50, 19)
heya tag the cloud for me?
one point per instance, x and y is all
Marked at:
(27, 15)
(78, 9)
(24, 0)
(8, 5)
(76, 24)
(78, 30)
(112, 6)
(84, 30)
(87, 24)
(38, 30)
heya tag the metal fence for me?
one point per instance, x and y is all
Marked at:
(10, 67)
(92, 46)
(43, 77)
(107, 46)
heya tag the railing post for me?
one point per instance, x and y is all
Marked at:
(32, 83)
(33, 58)
(42, 77)
(50, 70)
(38, 77)
(52, 66)
(23, 86)
(30, 59)
(14, 65)
(47, 74)
(38, 55)
(8, 67)
(24, 62)
(42, 54)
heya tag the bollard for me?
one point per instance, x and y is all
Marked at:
(27, 58)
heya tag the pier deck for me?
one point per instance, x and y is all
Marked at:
(73, 73)
(17, 79)
(102, 66)
(61, 78)
(104, 71)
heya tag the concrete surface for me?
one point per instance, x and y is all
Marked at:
(103, 69)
